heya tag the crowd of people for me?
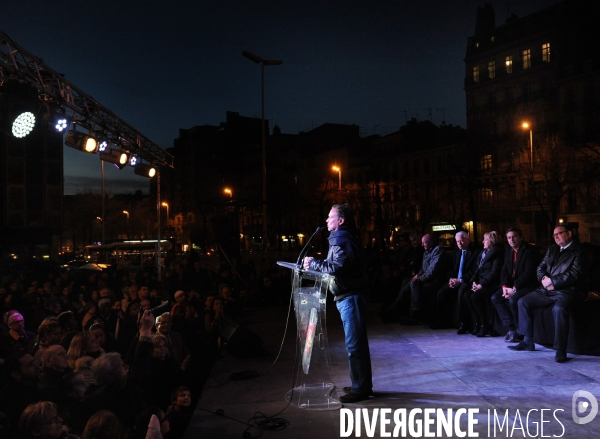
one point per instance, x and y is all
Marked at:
(116, 354)
(496, 282)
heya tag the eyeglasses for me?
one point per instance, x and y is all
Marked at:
(54, 420)
(557, 234)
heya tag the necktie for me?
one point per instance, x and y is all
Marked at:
(462, 263)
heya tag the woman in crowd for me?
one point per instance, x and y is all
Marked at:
(83, 344)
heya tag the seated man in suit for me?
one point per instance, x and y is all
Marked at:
(463, 264)
(429, 279)
(518, 279)
(564, 274)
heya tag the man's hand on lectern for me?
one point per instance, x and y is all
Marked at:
(307, 262)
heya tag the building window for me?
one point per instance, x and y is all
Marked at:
(546, 52)
(492, 69)
(476, 74)
(486, 164)
(508, 64)
(486, 194)
(526, 54)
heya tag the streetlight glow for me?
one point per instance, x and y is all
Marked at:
(527, 126)
(339, 171)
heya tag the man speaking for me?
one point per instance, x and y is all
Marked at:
(346, 262)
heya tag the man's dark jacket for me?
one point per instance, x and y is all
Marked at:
(345, 261)
(524, 267)
(569, 270)
(468, 264)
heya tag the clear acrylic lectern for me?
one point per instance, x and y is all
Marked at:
(313, 387)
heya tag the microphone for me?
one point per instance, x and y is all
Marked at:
(306, 247)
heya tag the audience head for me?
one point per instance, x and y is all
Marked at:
(491, 238)
(41, 419)
(514, 237)
(181, 397)
(160, 346)
(16, 322)
(103, 425)
(109, 368)
(415, 239)
(97, 331)
(180, 296)
(50, 334)
(21, 367)
(462, 240)
(428, 241)
(55, 357)
(563, 235)
(208, 302)
(164, 322)
(67, 321)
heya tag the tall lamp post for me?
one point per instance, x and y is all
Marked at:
(339, 171)
(127, 213)
(165, 204)
(263, 62)
(527, 126)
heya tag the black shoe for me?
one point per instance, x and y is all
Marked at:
(521, 347)
(462, 329)
(483, 331)
(476, 329)
(348, 389)
(349, 398)
(561, 357)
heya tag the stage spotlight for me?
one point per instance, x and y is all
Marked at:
(118, 158)
(103, 146)
(61, 124)
(81, 141)
(23, 124)
(145, 170)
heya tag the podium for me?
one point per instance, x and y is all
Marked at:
(313, 387)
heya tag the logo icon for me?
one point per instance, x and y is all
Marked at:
(580, 407)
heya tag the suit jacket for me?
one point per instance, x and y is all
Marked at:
(468, 265)
(569, 270)
(487, 271)
(524, 268)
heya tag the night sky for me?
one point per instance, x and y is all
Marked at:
(161, 66)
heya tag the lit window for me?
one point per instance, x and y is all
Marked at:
(492, 69)
(486, 194)
(546, 52)
(486, 163)
(508, 64)
(526, 54)
(476, 74)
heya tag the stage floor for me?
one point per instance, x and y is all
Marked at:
(413, 368)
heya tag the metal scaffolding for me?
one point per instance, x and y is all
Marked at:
(17, 64)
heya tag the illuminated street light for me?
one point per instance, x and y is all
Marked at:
(165, 204)
(228, 191)
(339, 171)
(527, 126)
(127, 213)
(263, 62)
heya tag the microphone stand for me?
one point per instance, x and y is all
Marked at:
(305, 249)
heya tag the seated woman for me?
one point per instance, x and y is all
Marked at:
(474, 294)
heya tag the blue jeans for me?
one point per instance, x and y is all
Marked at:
(353, 311)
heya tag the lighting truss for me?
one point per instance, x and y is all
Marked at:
(18, 64)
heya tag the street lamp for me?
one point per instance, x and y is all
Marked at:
(228, 191)
(127, 213)
(339, 171)
(263, 62)
(527, 126)
(165, 204)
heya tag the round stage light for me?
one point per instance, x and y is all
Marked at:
(23, 124)
(123, 158)
(151, 172)
(61, 125)
(90, 144)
